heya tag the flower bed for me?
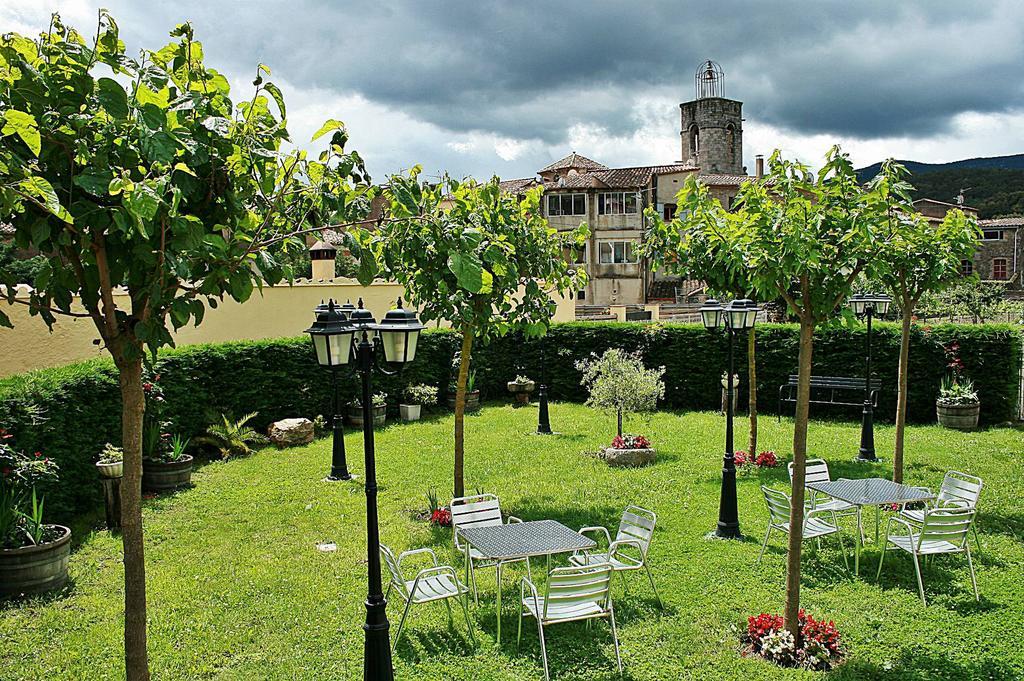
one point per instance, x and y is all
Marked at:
(746, 463)
(630, 442)
(818, 648)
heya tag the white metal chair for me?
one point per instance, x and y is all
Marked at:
(816, 470)
(814, 527)
(571, 594)
(942, 530)
(958, 490)
(479, 510)
(629, 549)
(435, 583)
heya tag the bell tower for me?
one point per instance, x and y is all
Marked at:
(711, 126)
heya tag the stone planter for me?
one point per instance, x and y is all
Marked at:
(35, 569)
(521, 391)
(355, 416)
(110, 469)
(161, 476)
(958, 416)
(472, 400)
(628, 457)
(410, 412)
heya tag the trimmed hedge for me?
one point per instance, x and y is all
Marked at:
(70, 412)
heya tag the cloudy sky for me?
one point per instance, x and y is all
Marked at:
(481, 88)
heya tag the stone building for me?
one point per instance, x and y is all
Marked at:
(612, 200)
(1001, 249)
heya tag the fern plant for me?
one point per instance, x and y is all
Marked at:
(233, 438)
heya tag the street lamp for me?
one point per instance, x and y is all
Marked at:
(737, 316)
(331, 334)
(866, 305)
(396, 338)
(543, 420)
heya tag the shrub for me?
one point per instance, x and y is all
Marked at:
(233, 438)
(619, 382)
(21, 505)
(424, 395)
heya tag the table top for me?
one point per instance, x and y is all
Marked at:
(520, 540)
(870, 491)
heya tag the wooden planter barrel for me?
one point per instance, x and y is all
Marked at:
(472, 400)
(36, 569)
(355, 416)
(958, 416)
(161, 476)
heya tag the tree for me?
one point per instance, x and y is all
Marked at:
(919, 258)
(164, 190)
(689, 245)
(814, 231)
(468, 253)
(619, 382)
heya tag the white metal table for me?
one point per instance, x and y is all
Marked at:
(516, 541)
(875, 492)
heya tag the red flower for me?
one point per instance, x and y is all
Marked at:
(156, 378)
(767, 460)
(740, 458)
(147, 386)
(441, 517)
(38, 454)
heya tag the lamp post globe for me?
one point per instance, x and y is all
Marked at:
(331, 334)
(711, 314)
(399, 332)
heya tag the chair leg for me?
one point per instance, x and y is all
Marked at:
(543, 649)
(842, 546)
(472, 578)
(401, 624)
(974, 580)
(977, 539)
(920, 584)
(451, 619)
(764, 545)
(650, 577)
(519, 631)
(469, 625)
(881, 559)
(615, 637)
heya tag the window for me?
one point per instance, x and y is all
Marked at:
(615, 252)
(966, 267)
(694, 140)
(581, 295)
(616, 203)
(567, 204)
(730, 141)
(576, 255)
(999, 272)
(670, 211)
(992, 235)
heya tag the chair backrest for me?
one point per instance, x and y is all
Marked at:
(778, 505)
(637, 525)
(946, 524)
(815, 470)
(479, 510)
(573, 585)
(396, 574)
(959, 490)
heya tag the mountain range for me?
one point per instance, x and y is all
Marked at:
(994, 185)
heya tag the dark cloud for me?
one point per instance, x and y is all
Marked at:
(529, 70)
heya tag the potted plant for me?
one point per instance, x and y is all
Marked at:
(417, 397)
(111, 464)
(379, 411)
(168, 467)
(33, 555)
(472, 394)
(521, 387)
(629, 450)
(958, 405)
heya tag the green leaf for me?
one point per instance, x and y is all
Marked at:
(24, 126)
(43, 190)
(468, 272)
(143, 203)
(158, 147)
(153, 116)
(329, 124)
(96, 182)
(218, 125)
(275, 92)
(112, 97)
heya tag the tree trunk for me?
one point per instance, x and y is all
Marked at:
(901, 397)
(133, 405)
(796, 508)
(752, 387)
(460, 409)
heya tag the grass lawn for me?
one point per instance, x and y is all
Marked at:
(238, 589)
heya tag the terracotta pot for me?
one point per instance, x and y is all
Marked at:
(410, 412)
(958, 416)
(36, 569)
(111, 469)
(160, 476)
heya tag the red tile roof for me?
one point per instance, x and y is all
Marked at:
(725, 180)
(574, 160)
(1016, 221)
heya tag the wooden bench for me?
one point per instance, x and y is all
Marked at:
(824, 389)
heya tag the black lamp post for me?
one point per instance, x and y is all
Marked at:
(333, 348)
(738, 316)
(543, 422)
(396, 338)
(867, 306)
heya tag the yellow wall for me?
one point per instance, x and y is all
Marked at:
(281, 311)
